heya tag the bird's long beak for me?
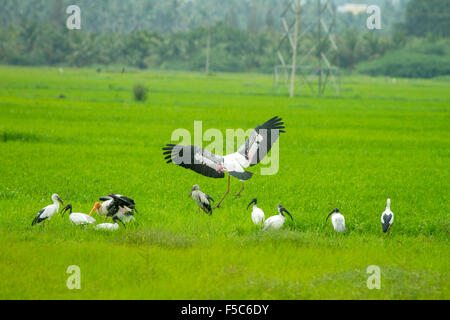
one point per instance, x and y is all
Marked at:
(329, 215)
(284, 210)
(190, 194)
(60, 200)
(253, 201)
(66, 208)
(92, 211)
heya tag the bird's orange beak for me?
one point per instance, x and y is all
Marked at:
(96, 206)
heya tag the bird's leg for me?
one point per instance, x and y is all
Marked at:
(237, 195)
(106, 217)
(226, 193)
(198, 210)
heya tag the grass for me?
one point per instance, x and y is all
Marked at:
(79, 133)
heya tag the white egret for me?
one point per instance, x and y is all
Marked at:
(47, 212)
(276, 222)
(110, 226)
(257, 213)
(338, 220)
(77, 218)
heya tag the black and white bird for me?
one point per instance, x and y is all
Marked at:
(255, 148)
(110, 226)
(257, 213)
(115, 205)
(338, 220)
(47, 212)
(77, 218)
(276, 222)
(387, 218)
(202, 199)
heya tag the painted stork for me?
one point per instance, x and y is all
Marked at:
(115, 205)
(77, 218)
(387, 218)
(210, 165)
(257, 213)
(202, 199)
(47, 212)
(110, 226)
(338, 220)
(276, 222)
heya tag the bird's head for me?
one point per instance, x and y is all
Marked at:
(55, 197)
(254, 200)
(194, 188)
(67, 208)
(95, 207)
(282, 210)
(336, 210)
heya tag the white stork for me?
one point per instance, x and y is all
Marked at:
(202, 199)
(47, 212)
(338, 220)
(257, 213)
(387, 218)
(110, 226)
(249, 154)
(276, 222)
(77, 218)
(115, 205)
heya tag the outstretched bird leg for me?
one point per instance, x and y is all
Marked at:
(226, 193)
(237, 195)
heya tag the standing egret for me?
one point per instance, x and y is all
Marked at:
(257, 213)
(110, 226)
(77, 218)
(276, 222)
(338, 220)
(202, 199)
(254, 149)
(47, 212)
(387, 218)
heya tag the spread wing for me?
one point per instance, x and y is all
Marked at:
(260, 141)
(123, 201)
(196, 159)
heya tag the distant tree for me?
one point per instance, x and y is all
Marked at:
(428, 17)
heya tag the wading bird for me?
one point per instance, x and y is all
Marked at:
(210, 165)
(276, 222)
(77, 218)
(387, 218)
(47, 212)
(115, 205)
(338, 220)
(202, 199)
(110, 226)
(257, 213)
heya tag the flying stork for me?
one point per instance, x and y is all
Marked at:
(338, 220)
(115, 205)
(276, 222)
(47, 212)
(254, 149)
(257, 213)
(110, 226)
(77, 218)
(387, 218)
(202, 199)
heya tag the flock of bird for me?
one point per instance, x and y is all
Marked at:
(256, 147)
(118, 207)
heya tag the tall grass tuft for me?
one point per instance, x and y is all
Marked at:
(140, 92)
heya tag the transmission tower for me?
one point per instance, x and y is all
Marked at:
(308, 41)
